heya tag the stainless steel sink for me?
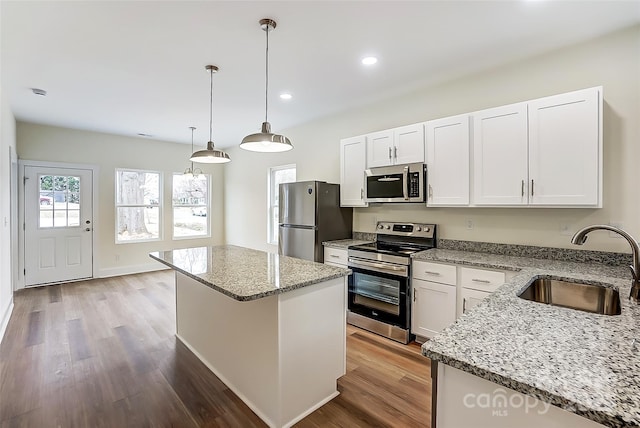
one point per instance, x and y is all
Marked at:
(584, 297)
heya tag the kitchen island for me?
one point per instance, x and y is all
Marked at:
(271, 327)
(512, 362)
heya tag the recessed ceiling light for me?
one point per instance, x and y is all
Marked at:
(40, 92)
(370, 60)
(286, 96)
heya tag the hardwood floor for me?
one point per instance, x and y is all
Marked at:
(102, 353)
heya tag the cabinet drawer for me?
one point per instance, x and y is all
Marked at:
(335, 256)
(479, 279)
(436, 272)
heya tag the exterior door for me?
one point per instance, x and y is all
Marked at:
(58, 224)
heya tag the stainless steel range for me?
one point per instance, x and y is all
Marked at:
(380, 286)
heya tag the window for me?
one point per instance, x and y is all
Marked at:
(59, 201)
(190, 206)
(277, 175)
(138, 202)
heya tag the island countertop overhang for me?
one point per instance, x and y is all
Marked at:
(245, 274)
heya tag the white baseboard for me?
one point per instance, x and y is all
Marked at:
(5, 320)
(128, 270)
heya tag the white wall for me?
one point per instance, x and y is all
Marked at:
(108, 152)
(612, 61)
(7, 144)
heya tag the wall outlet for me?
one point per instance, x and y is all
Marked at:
(469, 223)
(565, 229)
(617, 224)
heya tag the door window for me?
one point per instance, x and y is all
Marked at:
(59, 201)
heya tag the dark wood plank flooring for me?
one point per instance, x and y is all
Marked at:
(102, 353)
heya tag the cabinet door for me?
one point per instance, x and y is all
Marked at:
(335, 257)
(448, 161)
(434, 307)
(408, 144)
(353, 156)
(471, 298)
(500, 156)
(380, 149)
(565, 149)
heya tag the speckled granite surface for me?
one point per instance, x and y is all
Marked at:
(343, 244)
(581, 362)
(244, 274)
(364, 236)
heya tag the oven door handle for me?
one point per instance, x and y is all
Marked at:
(378, 267)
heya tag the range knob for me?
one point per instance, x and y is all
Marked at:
(380, 226)
(418, 229)
(387, 227)
(426, 229)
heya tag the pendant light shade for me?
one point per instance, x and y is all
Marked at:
(211, 154)
(266, 141)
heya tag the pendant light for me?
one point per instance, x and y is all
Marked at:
(191, 171)
(211, 154)
(265, 141)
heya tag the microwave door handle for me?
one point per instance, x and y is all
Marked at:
(405, 181)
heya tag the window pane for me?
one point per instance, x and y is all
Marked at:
(73, 217)
(60, 218)
(58, 195)
(190, 191)
(278, 176)
(137, 188)
(138, 223)
(189, 221)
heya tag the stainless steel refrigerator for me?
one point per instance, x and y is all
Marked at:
(310, 214)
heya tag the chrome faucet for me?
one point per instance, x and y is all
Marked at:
(581, 237)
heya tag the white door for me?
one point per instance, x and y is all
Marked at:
(408, 144)
(58, 224)
(448, 161)
(500, 157)
(353, 157)
(434, 307)
(565, 149)
(380, 149)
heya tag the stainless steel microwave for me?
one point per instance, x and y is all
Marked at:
(398, 183)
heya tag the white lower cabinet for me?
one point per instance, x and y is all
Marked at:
(442, 292)
(335, 257)
(434, 307)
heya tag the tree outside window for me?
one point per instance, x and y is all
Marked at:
(277, 175)
(138, 202)
(190, 201)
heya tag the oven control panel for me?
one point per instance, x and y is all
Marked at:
(406, 229)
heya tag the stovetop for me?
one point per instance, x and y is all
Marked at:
(400, 239)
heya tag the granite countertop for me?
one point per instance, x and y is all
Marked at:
(584, 363)
(245, 274)
(343, 244)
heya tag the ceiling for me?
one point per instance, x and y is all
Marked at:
(131, 67)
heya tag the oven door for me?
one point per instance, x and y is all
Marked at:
(379, 295)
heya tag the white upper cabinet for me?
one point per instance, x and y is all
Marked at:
(565, 149)
(500, 156)
(353, 155)
(396, 146)
(447, 143)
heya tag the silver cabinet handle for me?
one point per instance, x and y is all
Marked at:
(335, 256)
(482, 281)
(361, 193)
(430, 192)
(522, 188)
(531, 187)
(395, 153)
(389, 152)
(464, 305)
(414, 294)
(428, 272)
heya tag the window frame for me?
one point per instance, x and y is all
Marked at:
(272, 228)
(207, 205)
(159, 205)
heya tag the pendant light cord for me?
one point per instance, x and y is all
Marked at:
(211, 107)
(266, 86)
(192, 129)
